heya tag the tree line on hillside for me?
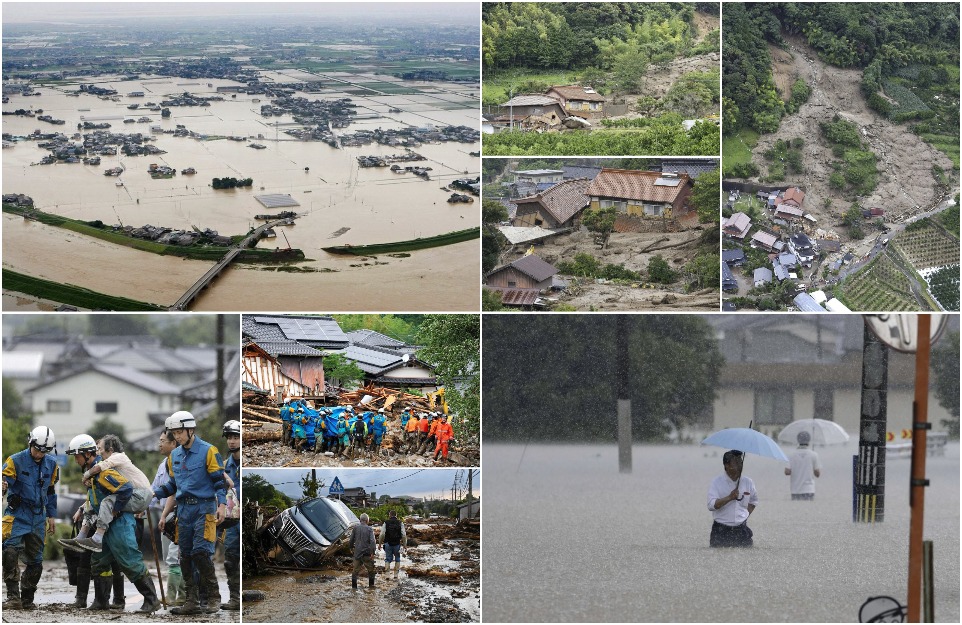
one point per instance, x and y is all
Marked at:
(611, 43)
(883, 39)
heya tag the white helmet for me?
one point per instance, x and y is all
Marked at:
(232, 427)
(380, 410)
(180, 419)
(81, 443)
(42, 438)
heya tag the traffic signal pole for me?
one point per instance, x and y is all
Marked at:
(920, 426)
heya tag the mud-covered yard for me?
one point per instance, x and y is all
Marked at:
(55, 594)
(439, 582)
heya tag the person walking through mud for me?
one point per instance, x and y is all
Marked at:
(444, 433)
(232, 432)
(731, 499)
(112, 456)
(803, 468)
(197, 482)
(119, 542)
(364, 546)
(29, 480)
(176, 593)
(393, 537)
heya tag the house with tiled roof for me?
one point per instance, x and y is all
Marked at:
(640, 193)
(522, 109)
(527, 272)
(558, 207)
(737, 226)
(577, 100)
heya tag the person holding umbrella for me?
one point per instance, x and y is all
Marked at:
(731, 499)
(803, 468)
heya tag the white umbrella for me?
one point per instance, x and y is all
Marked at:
(823, 432)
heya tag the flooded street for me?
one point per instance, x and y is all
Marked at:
(54, 594)
(571, 539)
(439, 582)
(340, 202)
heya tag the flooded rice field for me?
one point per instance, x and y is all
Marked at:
(340, 202)
(439, 582)
(570, 539)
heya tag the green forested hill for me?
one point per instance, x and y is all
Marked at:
(909, 53)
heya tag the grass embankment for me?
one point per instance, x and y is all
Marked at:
(208, 253)
(737, 148)
(70, 294)
(449, 238)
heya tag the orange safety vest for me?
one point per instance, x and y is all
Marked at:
(444, 432)
(423, 424)
(412, 424)
(434, 427)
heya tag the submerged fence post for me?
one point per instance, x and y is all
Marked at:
(624, 403)
(928, 581)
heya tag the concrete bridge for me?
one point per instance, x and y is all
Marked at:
(187, 298)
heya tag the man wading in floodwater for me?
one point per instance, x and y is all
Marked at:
(731, 499)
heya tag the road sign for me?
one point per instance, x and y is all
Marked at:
(336, 487)
(900, 331)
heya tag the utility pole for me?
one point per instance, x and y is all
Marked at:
(221, 382)
(920, 425)
(624, 403)
(869, 504)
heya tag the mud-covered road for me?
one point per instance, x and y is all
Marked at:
(55, 594)
(906, 185)
(439, 582)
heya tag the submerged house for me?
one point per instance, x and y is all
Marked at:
(641, 193)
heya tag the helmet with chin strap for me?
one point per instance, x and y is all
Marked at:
(42, 438)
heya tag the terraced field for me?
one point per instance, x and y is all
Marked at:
(927, 246)
(879, 287)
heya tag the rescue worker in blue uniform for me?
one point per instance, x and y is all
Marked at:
(197, 483)
(119, 543)
(29, 478)
(378, 429)
(232, 431)
(298, 429)
(330, 430)
(311, 418)
(287, 411)
(343, 437)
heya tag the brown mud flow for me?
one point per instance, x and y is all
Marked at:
(55, 594)
(439, 582)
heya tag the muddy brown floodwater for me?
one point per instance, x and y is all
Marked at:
(54, 595)
(339, 202)
(326, 596)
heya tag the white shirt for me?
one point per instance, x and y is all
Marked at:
(803, 464)
(733, 512)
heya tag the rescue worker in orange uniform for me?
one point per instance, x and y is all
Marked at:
(444, 433)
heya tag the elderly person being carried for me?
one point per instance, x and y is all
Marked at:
(112, 457)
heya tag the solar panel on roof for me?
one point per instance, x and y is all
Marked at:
(667, 182)
(302, 329)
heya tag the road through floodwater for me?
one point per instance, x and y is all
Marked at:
(567, 538)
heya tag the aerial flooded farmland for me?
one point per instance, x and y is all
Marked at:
(316, 131)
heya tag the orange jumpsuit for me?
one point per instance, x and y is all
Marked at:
(444, 433)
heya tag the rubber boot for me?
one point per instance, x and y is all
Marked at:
(83, 588)
(370, 580)
(233, 584)
(397, 567)
(286, 438)
(354, 581)
(146, 587)
(191, 605)
(120, 600)
(13, 597)
(176, 594)
(28, 585)
(11, 576)
(208, 578)
(101, 592)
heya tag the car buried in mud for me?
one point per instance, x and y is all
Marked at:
(305, 535)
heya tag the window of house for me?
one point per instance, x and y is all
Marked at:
(102, 407)
(773, 406)
(538, 221)
(512, 283)
(58, 405)
(824, 404)
(653, 210)
(594, 106)
(537, 110)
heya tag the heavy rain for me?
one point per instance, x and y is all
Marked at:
(580, 532)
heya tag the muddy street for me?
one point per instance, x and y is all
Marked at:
(55, 594)
(439, 582)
